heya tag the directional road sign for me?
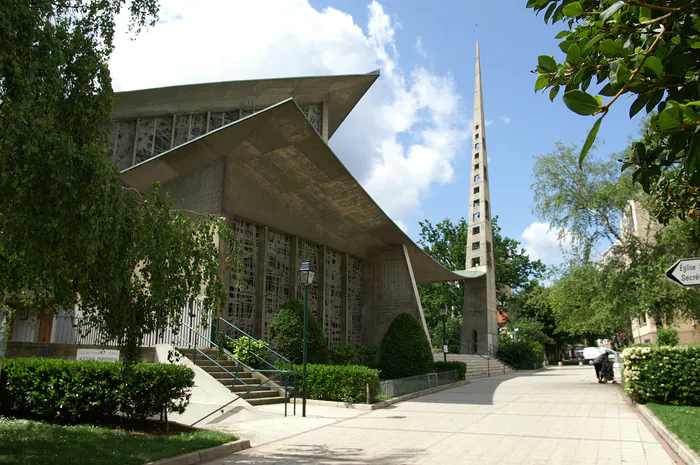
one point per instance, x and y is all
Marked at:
(685, 272)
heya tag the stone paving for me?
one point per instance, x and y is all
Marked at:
(556, 416)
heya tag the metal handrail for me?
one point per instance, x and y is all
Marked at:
(270, 349)
(489, 351)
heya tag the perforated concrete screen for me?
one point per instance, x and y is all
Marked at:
(241, 296)
(276, 277)
(354, 301)
(334, 297)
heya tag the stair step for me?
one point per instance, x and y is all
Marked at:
(231, 381)
(266, 401)
(261, 394)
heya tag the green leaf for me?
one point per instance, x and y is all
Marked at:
(691, 164)
(614, 8)
(573, 55)
(562, 34)
(553, 93)
(644, 14)
(654, 100)
(591, 43)
(542, 81)
(638, 104)
(610, 48)
(607, 90)
(619, 74)
(671, 118)
(573, 9)
(654, 64)
(547, 63)
(581, 102)
(592, 134)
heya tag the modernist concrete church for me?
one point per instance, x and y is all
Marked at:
(256, 152)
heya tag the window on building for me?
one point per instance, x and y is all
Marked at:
(476, 245)
(486, 173)
(476, 128)
(476, 178)
(647, 341)
(476, 190)
(476, 156)
(476, 203)
(476, 230)
(476, 167)
(642, 319)
(477, 216)
(486, 209)
(476, 136)
(476, 261)
(477, 145)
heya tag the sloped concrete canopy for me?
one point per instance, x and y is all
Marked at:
(279, 172)
(340, 92)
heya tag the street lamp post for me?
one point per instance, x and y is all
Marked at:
(307, 271)
(443, 311)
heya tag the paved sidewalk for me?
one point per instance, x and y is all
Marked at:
(557, 416)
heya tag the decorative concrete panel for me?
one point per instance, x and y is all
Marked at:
(164, 132)
(124, 144)
(145, 133)
(334, 297)
(216, 120)
(240, 308)
(277, 277)
(314, 113)
(308, 251)
(354, 301)
(231, 116)
(182, 129)
(198, 125)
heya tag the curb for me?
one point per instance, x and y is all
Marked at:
(198, 456)
(687, 454)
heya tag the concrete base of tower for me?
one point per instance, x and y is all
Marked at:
(480, 321)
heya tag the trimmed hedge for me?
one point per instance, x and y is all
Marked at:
(405, 350)
(85, 391)
(662, 374)
(287, 330)
(524, 355)
(449, 366)
(340, 383)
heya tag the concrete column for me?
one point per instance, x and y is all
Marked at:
(321, 289)
(260, 284)
(293, 267)
(324, 123)
(344, 323)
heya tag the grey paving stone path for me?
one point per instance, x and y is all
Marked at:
(556, 416)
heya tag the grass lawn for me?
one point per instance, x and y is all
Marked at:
(684, 421)
(24, 442)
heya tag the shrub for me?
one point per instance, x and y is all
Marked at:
(667, 337)
(662, 374)
(525, 355)
(77, 392)
(405, 350)
(368, 356)
(344, 354)
(449, 366)
(245, 349)
(340, 383)
(287, 330)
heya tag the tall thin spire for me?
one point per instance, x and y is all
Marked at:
(480, 323)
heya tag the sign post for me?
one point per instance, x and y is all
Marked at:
(685, 273)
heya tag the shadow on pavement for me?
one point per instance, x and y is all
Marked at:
(316, 454)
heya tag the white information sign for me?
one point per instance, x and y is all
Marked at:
(445, 349)
(685, 272)
(99, 355)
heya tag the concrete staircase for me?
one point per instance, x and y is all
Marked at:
(477, 366)
(246, 379)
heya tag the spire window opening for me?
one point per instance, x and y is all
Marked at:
(476, 156)
(476, 230)
(476, 203)
(476, 190)
(476, 136)
(476, 128)
(476, 178)
(476, 217)
(477, 145)
(476, 245)
(476, 167)
(476, 261)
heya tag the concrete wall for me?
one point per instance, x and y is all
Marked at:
(480, 321)
(200, 191)
(388, 289)
(62, 351)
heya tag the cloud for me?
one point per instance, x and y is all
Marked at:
(401, 225)
(543, 243)
(505, 119)
(400, 140)
(419, 48)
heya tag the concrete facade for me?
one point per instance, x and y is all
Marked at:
(256, 153)
(480, 323)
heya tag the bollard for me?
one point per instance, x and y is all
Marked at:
(561, 364)
(367, 390)
(580, 364)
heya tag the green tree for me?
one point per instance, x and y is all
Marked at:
(287, 330)
(70, 234)
(649, 51)
(405, 350)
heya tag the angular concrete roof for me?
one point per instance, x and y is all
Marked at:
(341, 92)
(279, 172)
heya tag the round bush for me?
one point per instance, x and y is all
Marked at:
(405, 350)
(287, 330)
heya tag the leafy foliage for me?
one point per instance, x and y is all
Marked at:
(525, 355)
(650, 51)
(663, 374)
(341, 383)
(344, 354)
(453, 332)
(75, 392)
(71, 234)
(287, 330)
(667, 337)
(449, 366)
(245, 349)
(405, 350)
